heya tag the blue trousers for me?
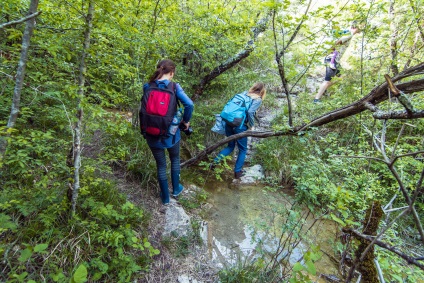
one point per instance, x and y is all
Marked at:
(174, 156)
(241, 144)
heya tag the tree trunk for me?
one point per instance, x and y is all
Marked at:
(77, 146)
(367, 267)
(280, 63)
(393, 39)
(20, 74)
(231, 62)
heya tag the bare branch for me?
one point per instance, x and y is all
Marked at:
(397, 140)
(296, 31)
(409, 259)
(20, 20)
(361, 157)
(398, 115)
(419, 188)
(371, 107)
(408, 200)
(413, 154)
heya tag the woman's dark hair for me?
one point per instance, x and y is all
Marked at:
(164, 67)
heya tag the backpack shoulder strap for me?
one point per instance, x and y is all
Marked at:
(172, 87)
(174, 90)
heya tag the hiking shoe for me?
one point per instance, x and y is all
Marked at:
(178, 191)
(317, 101)
(238, 175)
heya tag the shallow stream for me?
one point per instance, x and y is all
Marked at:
(245, 222)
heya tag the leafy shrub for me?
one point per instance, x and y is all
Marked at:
(41, 241)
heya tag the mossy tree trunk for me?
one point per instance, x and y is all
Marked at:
(371, 222)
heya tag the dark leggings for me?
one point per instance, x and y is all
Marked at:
(160, 157)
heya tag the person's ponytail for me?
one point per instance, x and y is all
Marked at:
(163, 67)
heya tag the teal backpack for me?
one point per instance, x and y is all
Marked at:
(234, 112)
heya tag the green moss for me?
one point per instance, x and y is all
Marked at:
(371, 222)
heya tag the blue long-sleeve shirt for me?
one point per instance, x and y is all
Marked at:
(256, 103)
(188, 111)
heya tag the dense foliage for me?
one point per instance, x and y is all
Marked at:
(329, 167)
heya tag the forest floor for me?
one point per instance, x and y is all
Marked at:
(168, 266)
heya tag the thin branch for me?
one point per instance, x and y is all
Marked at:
(390, 202)
(409, 259)
(419, 188)
(360, 157)
(296, 31)
(383, 141)
(407, 154)
(401, 115)
(395, 209)
(24, 19)
(380, 273)
(397, 140)
(371, 107)
(408, 201)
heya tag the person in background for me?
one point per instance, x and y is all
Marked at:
(257, 92)
(332, 60)
(163, 75)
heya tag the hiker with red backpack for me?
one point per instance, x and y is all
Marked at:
(239, 115)
(161, 121)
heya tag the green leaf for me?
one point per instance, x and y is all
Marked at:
(297, 267)
(40, 247)
(25, 255)
(338, 220)
(6, 223)
(310, 267)
(80, 274)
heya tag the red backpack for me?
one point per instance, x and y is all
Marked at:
(158, 107)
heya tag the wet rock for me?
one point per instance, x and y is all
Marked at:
(312, 84)
(187, 279)
(252, 176)
(203, 231)
(192, 189)
(331, 278)
(176, 220)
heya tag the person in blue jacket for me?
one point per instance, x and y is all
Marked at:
(257, 92)
(163, 75)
